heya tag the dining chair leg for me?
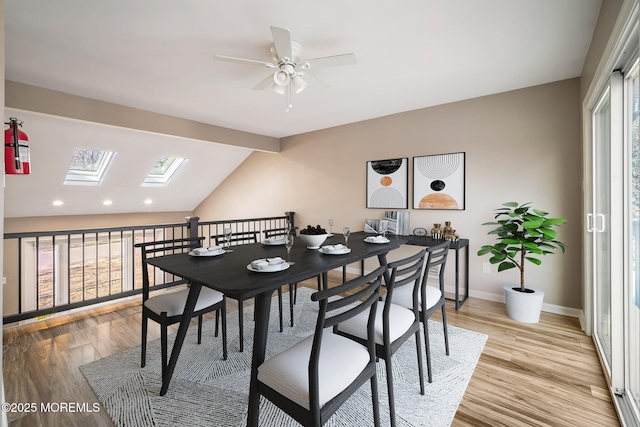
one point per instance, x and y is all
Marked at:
(293, 288)
(143, 350)
(240, 324)
(224, 328)
(280, 308)
(374, 401)
(444, 325)
(420, 367)
(425, 323)
(217, 320)
(392, 406)
(163, 342)
(200, 329)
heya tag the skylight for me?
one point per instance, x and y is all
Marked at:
(165, 169)
(88, 167)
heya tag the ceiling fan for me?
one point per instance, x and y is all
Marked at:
(290, 70)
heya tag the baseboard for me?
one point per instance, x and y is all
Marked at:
(548, 308)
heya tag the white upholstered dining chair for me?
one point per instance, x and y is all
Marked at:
(394, 324)
(312, 379)
(166, 308)
(431, 296)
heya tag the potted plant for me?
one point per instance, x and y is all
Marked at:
(523, 235)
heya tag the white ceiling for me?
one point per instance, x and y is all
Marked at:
(158, 56)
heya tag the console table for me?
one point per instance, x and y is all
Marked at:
(456, 246)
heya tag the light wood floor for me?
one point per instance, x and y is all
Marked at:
(546, 374)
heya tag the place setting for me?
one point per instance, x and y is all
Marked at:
(381, 238)
(207, 252)
(268, 265)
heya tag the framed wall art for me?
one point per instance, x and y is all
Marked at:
(439, 181)
(388, 183)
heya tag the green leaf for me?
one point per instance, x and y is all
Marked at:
(506, 265)
(497, 258)
(553, 221)
(551, 234)
(536, 261)
(541, 213)
(511, 204)
(485, 250)
(510, 241)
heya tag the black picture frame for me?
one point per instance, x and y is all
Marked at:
(439, 181)
(388, 183)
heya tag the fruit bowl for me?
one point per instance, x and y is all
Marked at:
(313, 241)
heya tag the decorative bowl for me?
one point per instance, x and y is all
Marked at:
(313, 241)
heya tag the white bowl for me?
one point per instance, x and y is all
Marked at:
(313, 241)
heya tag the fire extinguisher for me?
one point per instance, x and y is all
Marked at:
(16, 149)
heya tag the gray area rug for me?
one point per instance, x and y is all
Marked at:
(207, 391)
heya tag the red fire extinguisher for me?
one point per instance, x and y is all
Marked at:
(16, 149)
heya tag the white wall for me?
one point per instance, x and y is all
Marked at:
(520, 146)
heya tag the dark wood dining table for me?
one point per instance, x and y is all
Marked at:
(230, 275)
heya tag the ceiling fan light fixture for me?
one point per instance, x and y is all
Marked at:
(299, 84)
(281, 78)
(278, 89)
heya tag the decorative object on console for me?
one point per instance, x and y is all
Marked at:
(436, 232)
(397, 223)
(449, 233)
(388, 183)
(438, 181)
(419, 231)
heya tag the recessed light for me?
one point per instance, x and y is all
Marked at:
(148, 201)
(107, 202)
(58, 203)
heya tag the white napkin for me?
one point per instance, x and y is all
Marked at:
(334, 248)
(275, 240)
(259, 264)
(376, 239)
(275, 261)
(202, 251)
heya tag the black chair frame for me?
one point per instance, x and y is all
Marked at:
(404, 272)
(437, 256)
(241, 238)
(363, 292)
(170, 247)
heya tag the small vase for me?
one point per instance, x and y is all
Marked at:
(436, 232)
(449, 233)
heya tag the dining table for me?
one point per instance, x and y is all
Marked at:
(232, 274)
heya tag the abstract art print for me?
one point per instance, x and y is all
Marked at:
(387, 183)
(438, 181)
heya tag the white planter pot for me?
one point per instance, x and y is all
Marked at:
(524, 307)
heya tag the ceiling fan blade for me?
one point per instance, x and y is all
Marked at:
(282, 40)
(330, 61)
(267, 82)
(314, 81)
(243, 61)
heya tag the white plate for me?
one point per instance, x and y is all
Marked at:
(208, 253)
(270, 268)
(338, 252)
(379, 242)
(274, 243)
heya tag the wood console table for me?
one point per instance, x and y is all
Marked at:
(456, 246)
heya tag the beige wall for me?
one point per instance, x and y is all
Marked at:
(521, 146)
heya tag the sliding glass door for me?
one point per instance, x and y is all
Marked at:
(614, 233)
(598, 221)
(632, 288)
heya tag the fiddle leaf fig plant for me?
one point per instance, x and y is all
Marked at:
(523, 234)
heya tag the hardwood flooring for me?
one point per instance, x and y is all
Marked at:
(545, 374)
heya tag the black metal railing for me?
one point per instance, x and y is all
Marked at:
(55, 271)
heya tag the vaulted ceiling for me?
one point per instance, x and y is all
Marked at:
(158, 56)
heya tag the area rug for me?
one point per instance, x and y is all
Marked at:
(208, 391)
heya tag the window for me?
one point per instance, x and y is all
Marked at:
(165, 169)
(88, 167)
